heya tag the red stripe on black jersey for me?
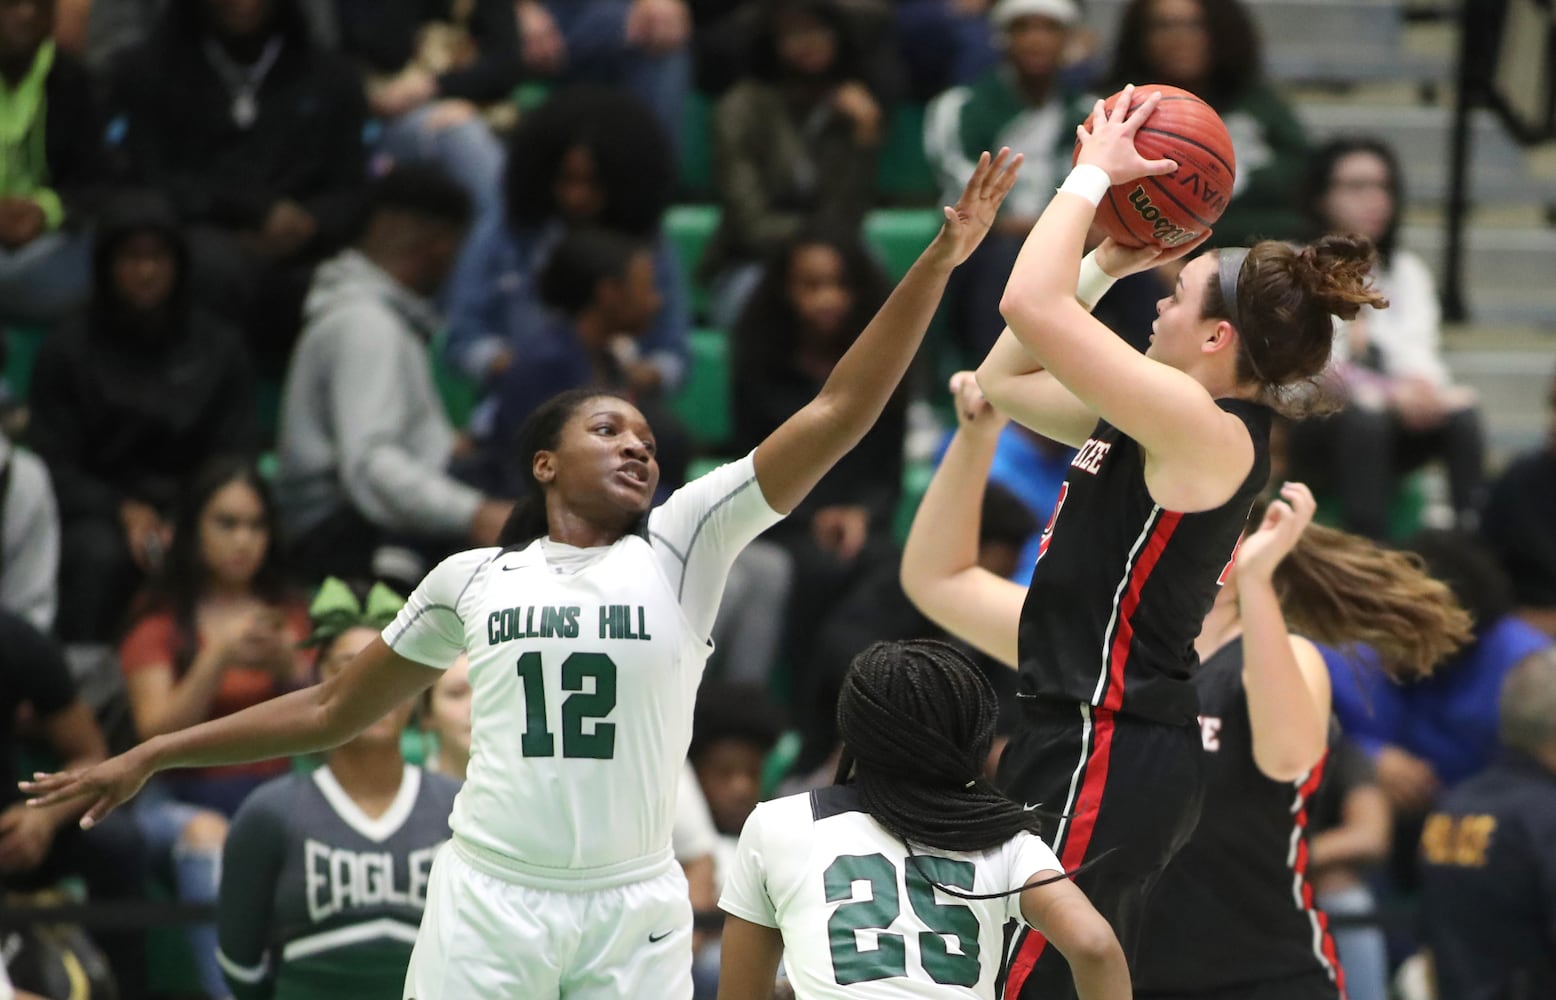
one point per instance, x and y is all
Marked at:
(1073, 837)
(1302, 889)
(1157, 534)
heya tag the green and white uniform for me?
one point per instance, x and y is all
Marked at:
(320, 901)
(584, 663)
(860, 921)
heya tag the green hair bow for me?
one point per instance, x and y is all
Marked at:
(336, 608)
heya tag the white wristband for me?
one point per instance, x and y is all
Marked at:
(1089, 182)
(1093, 283)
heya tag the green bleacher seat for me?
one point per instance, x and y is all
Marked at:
(21, 351)
(899, 235)
(696, 147)
(703, 402)
(689, 228)
(903, 176)
(458, 393)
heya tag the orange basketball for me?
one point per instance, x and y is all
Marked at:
(1174, 208)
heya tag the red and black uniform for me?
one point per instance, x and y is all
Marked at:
(1110, 736)
(1233, 915)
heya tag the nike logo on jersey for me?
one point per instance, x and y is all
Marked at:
(656, 938)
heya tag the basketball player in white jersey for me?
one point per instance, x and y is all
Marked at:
(587, 635)
(899, 880)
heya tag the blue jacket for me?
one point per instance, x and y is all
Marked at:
(494, 302)
(1448, 720)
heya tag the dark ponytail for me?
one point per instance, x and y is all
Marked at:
(1286, 303)
(917, 720)
(541, 431)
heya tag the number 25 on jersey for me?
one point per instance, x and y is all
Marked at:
(880, 908)
(592, 678)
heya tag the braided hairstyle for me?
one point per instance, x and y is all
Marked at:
(917, 719)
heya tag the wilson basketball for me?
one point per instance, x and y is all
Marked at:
(1174, 208)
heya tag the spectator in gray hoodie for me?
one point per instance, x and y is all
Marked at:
(29, 538)
(364, 484)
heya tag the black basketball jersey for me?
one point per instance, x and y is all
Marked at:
(1121, 585)
(1234, 907)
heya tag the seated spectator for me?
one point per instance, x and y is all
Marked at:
(794, 143)
(734, 728)
(1022, 104)
(599, 286)
(1488, 868)
(944, 43)
(1349, 827)
(366, 445)
(722, 31)
(815, 298)
(640, 46)
(38, 847)
(256, 135)
(217, 632)
(1401, 406)
(1435, 733)
(327, 872)
(430, 70)
(445, 720)
(49, 131)
(587, 157)
(1519, 523)
(126, 402)
(29, 537)
(1212, 48)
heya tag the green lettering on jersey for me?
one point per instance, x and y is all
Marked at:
(851, 964)
(944, 920)
(592, 678)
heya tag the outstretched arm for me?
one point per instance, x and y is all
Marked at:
(1195, 449)
(1016, 382)
(1284, 675)
(794, 457)
(940, 571)
(316, 718)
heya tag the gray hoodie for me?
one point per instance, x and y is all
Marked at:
(361, 419)
(29, 539)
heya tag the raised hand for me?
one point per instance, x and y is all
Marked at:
(1284, 521)
(1110, 142)
(1118, 260)
(968, 221)
(974, 413)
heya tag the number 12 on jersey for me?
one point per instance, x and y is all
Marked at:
(593, 705)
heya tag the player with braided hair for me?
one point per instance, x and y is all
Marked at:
(946, 861)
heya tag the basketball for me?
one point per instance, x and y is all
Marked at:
(1174, 208)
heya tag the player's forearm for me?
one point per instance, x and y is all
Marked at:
(1289, 731)
(1100, 973)
(944, 539)
(1047, 270)
(868, 373)
(295, 723)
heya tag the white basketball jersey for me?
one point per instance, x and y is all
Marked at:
(584, 666)
(859, 918)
